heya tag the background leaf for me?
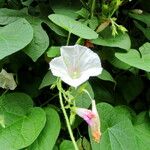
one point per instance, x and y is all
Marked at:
(67, 8)
(23, 126)
(142, 131)
(66, 145)
(134, 58)
(73, 26)
(39, 43)
(146, 31)
(53, 51)
(12, 39)
(48, 80)
(105, 75)
(81, 98)
(145, 17)
(50, 132)
(106, 39)
(117, 131)
(133, 86)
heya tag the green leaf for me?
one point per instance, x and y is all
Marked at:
(117, 130)
(134, 58)
(144, 17)
(53, 51)
(12, 39)
(2, 2)
(122, 40)
(26, 2)
(146, 31)
(83, 144)
(102, 91)
(81, 98)
(23, 123)
(8, 16)
(73, 26)
(57, 29)
(67, 8)
(93, 23)
(66, 145)
(132, 87)
(109, 54)
(14, 104)
(105, 75)
(123, 111)
(39, 43)
(142, 131)
(83, 12)
(48, 80)
(50, 132)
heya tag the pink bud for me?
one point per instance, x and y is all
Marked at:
(92, 118)
(86, 114)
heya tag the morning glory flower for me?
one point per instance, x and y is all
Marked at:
(7, 80)
(92, 118)
(75, 65)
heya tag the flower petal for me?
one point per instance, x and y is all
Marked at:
(86, 114)
(76, 64)
(58, 67)
(90, 63)
(74, 82)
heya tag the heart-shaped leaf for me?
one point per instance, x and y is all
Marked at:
(12, 39)
(134, 58)
(50, 132)
(23, 123)
(40, 40)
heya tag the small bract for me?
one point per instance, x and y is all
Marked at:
(7, 80)
(76, 64)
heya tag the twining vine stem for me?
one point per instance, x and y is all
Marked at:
(65, 115)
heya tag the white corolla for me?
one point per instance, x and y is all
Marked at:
(76, 64)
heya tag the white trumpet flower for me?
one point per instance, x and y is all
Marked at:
(76, 64)
(7, 80)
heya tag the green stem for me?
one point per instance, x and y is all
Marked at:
(84, 90)
(68, 39)
(79, 41)
(48, 100)
(92, 8)
(67, 119)
(5, 92)
(83, 3)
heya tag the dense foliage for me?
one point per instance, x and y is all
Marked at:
(31, 34)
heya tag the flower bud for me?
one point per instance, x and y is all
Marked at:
(92, 118)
